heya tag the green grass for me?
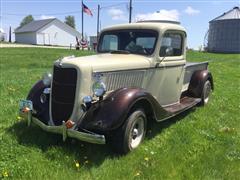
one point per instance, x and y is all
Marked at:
(202, 143)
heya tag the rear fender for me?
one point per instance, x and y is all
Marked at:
(197, 82)
(111, 113)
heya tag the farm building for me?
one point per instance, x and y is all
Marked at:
(47, 32)
(2, 35)
(224, 32)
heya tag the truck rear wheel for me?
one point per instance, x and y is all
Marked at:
(206, 92)
(131, 134)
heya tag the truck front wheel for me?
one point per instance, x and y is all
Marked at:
(131, 134)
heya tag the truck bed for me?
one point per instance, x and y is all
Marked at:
(190, 68)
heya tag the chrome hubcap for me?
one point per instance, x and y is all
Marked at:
(207, 92)
(134, 133)
(137, 132)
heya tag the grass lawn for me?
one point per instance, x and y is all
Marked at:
(202, 143)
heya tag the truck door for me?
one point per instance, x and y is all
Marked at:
(169, 71)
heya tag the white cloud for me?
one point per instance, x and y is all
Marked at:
(159, 15)
(190, 11)
(117, 14)
(46, 17)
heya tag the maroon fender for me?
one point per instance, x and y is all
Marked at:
(42, 109)
(111, 113)
(197, 82)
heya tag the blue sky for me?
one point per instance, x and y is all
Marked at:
(194, 15)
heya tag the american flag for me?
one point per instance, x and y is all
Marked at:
(86, 10)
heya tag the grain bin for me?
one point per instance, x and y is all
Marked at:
(224, 32)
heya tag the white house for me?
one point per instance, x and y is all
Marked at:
(2, 35)
(47, 32)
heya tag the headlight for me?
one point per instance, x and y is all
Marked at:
(87, 102)
(87, 99)
(47, 79)
(99, 88)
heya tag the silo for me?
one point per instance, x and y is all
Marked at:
(224, 32)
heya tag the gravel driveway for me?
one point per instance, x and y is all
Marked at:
(12, 45)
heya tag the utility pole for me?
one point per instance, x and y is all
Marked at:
(10, 34)
(98, 16)
(130, 11)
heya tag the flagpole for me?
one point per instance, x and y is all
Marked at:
(98, 21)
(82, 22)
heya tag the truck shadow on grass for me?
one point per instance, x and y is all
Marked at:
(155, 128)
(55, 149)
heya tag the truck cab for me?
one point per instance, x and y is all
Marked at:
(139, 74)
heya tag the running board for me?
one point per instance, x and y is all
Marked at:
(185, 103)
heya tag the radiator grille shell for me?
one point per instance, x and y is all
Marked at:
(63, 93)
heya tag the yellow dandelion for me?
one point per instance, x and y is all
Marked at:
(5, 174)
(146, 159)
(11, 89)
(19, 118)
(137, 174)
(77, 164)
(86, 162)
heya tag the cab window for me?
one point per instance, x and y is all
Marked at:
(146, 42)
(174, 43)
(134, 41)
(109, 42)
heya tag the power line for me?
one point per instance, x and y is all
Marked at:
(63, 13)
(114, 5)
(123, 1)
(50, 14)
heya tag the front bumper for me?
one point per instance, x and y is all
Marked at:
(88, 137)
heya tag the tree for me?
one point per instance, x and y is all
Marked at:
(26, 20)
(70, 20)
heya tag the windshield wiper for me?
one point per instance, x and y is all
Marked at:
(120, 52)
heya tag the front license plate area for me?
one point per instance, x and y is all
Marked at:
(25, 104)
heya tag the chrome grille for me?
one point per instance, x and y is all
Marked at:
(63, 93)
(116, 80)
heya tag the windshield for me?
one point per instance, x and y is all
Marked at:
(128, 41)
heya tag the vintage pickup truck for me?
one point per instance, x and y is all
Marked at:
(139, 74)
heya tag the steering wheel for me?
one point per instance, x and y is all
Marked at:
(147, 50)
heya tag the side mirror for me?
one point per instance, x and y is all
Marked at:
(169, 51)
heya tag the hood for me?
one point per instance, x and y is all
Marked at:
(109, 62)
(86, 65)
